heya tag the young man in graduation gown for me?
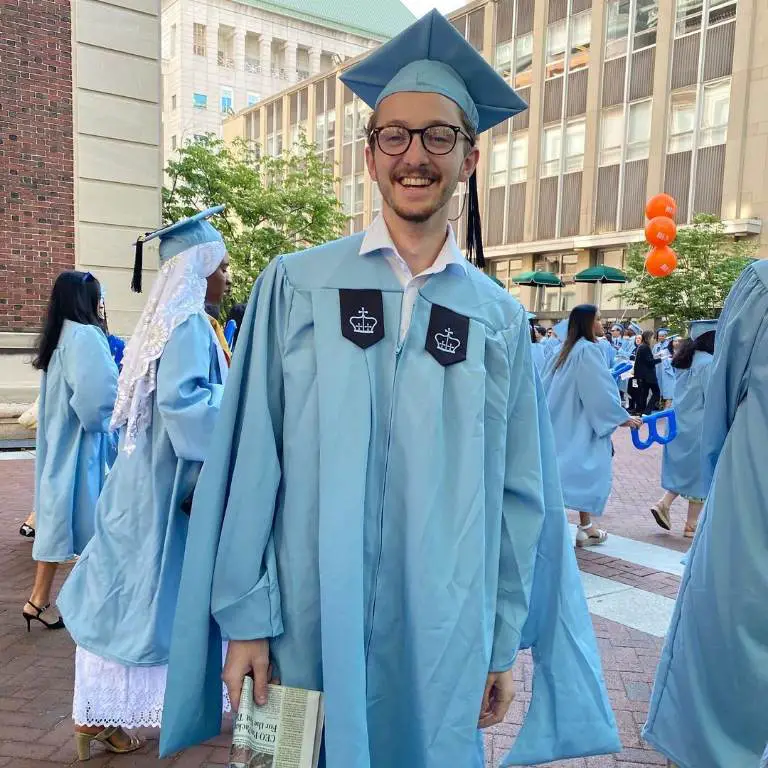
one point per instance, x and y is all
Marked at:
(708, 708)
(380, 514)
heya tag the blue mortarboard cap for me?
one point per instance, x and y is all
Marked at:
(431, 56)
(530, 316)
(665, 331)
(561, 329)
(637, 329)
(177, 238)
(617, 327)
(699, 327)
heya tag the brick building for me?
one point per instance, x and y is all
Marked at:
(80, 158)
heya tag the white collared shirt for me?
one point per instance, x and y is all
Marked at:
(377, 238)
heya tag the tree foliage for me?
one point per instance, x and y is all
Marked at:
(274, 205)
(708, 263)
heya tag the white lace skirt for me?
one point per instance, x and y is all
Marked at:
(112, 694)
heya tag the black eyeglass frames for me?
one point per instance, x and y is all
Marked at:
(396, 140)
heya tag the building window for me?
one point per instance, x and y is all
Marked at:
(499, 161)
(714, 114)
(581, 37)
(362, 116)
(551, 148)
(617, 28)
(199, 47)
(518, 163)
(199, 101)
(226, 103)
(639, 131)
(359, 192)
(349, 122)
(346, 195)
(721, 10)
(688, 17)
(682, 120)
(173, 41)
(611, 135)
(173, 102)
(646, 21)
(253, 99)
(574, 146)
(557, 41)
(524, 60)
(173, 142)
(504, 59)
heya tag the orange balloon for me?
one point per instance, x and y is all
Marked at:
(661, 262)
(660, 231)
(661, 205)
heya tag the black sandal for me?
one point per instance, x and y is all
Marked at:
(58, 624)
(27, 531)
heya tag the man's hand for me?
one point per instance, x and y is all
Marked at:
(498, 695)
(248, 657)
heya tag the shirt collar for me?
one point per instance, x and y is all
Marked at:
(377, 238)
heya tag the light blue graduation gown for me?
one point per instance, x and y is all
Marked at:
(552, 346)
(120, 598)
(681, 465)
(624, 355)
(708, 708)
(609, 353)
(392, 525)
(585, 409)
(667, 378)
(73, 444)
(539, 356)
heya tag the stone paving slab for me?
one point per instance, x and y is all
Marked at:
(36, 668)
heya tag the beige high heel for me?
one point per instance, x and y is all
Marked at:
(83, 742)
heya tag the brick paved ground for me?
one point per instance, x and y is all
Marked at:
(36, 668)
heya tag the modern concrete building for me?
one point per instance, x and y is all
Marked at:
(627, 98)
(221, 56)
(81, 173)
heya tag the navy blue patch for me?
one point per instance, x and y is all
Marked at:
(447, 335)
(362, 316)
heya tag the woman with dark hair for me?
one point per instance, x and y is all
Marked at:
(538, 352)
(681, 468)
(77, 395)
(585, 409)
(645, 378)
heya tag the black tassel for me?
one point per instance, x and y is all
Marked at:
(474, 226)
(138, 263)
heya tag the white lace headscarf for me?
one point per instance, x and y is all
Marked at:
(178, 293)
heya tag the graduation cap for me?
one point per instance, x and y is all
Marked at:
(700, 327)
(561, 329)
(635, 328)
(176, 238)
(531, 316)
(665, 331)
(617, 327)
(431, 56)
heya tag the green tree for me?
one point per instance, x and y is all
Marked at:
(274, 205)
(708, 263)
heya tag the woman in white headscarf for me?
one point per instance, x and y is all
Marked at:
(119, 601)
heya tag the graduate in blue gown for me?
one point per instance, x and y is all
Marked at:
(666, 373)
(585, 408)
(659, 349)
(681, 467)
(624, 351)
(379, 513)
(538, 347)
(708, 704)
(73, 445)
(119, 600)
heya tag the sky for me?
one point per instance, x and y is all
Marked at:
(420, 7)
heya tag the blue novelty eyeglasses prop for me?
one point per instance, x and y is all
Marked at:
(653, 430)
(619, 369)
(229, 331)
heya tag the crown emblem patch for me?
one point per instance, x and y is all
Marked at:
(447, 335)
(362, 316)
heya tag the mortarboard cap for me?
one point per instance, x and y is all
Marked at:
(665, 331)
(530, 316)
(431, 56)
(617, 327)
(635, 328)
(700, 327)
(561, 329)
(177, 238)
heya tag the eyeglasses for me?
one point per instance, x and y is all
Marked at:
(396, 140)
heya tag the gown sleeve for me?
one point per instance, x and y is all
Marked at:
(743, 325)
(598, 392)
(92, 375)
(186, 398)
(523, 503)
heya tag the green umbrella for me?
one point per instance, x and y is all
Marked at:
(601, 274)
(547, 279)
